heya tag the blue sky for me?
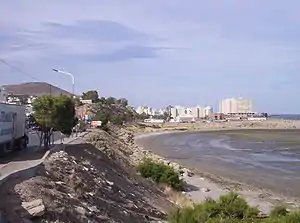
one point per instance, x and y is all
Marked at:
(159, 52)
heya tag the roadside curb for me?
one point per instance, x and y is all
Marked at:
(31, 169)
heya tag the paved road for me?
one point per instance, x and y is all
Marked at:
(30, 157)
(34, 139)
(31, 152)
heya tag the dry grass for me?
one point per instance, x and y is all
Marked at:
(177, 197)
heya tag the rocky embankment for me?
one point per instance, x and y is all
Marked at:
(87, 182)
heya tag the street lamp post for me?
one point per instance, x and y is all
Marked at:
(69, 74)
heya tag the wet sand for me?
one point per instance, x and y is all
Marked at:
(263, 158)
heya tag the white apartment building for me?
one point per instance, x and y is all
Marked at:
(195, 112)
(181, 110)
(208, 111)
(235, 105)
(173, 112)
(144, 109)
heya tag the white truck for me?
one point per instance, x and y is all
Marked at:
(13, 130)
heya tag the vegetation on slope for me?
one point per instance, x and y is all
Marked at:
(113, 110)
(230, 208)
(160, 173)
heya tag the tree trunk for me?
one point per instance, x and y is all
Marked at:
(41, 137)
(46, 139)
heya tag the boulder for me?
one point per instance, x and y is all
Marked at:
(205, 189)
(34, 208)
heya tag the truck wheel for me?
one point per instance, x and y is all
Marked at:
(22, 144)
(4, 149)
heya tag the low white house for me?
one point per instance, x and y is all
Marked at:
(151, 120)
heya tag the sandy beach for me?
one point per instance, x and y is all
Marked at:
(207, 183)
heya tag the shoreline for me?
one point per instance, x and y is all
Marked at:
(202, 181)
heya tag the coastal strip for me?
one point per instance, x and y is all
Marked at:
(205, 184)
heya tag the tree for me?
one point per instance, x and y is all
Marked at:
(90, 95)
(111, 100)
(54, 113)
(167, 116)
(77, 102)
(123, 102)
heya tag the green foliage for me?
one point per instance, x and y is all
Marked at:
(111, 100)
(123, 102)
(278, 211)
(64, 114)
(113, 110)
(230, 208)
(160, 173)
(91, 95)
(54, 113)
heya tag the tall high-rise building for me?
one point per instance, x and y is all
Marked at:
(208, 111)
(235, 105)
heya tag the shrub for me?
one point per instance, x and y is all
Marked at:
(160, 173)
(228, 208)
(278, 211)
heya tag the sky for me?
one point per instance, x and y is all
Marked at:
(158, 52)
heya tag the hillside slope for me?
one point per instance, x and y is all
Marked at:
(35, 89)
(87, 183)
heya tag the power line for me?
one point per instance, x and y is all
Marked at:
(18, 69)
(22, 72)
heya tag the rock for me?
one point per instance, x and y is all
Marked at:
(109, 183)
(70, 195)
(59, 183)
(34, 208)
(91, 194)
(80, 210)
(205, 189)
(85, 168)
(187, 173)
(93, 209)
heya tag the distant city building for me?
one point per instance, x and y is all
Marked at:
(195, 112)
(3, 95)
(192, 114)
(236, 106)
(208, 111)
(181, 111)
(150, 111)
(143, 110)
(173, 112)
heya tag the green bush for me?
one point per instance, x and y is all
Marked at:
(160, 173)
(278, 211)
(230, 208)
